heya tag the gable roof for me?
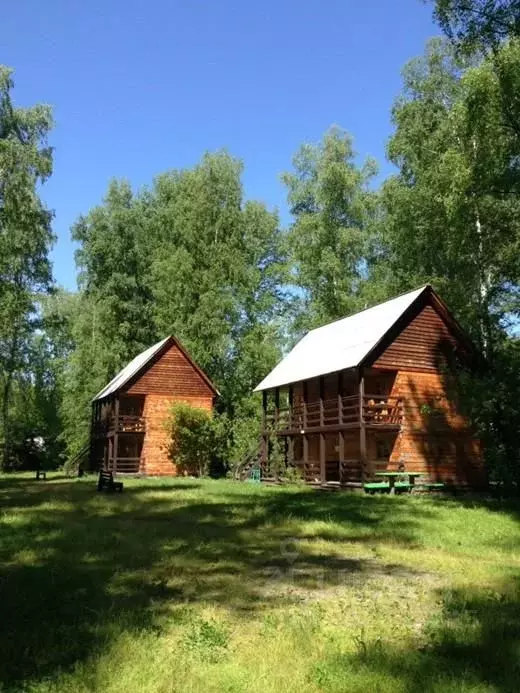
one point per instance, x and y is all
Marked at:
(138, 364)
(341, 344)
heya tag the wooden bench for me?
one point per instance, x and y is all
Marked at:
(106, 481)
(374, 486)
(432, 486)
(40, 474)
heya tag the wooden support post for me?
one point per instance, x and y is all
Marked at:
(265, 438)
(323, 466)
(362, 429)
(340, 398)
(322, 397)
(116, 435)
(341, 453)
(276, 407)
(305, 438)
(92, 434)
(290, 450)
(323, 470)
(341, 435)
(291, 404)
(305, 396)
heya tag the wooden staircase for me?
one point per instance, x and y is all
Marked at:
(253, 460)
(80, 459)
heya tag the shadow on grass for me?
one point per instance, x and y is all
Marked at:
(78, 566)
(508, 505)
(473, 645)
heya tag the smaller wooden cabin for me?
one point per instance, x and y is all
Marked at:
(129, 416)
(374, 392)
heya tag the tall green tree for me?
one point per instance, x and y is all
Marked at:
(110, 320)
(113, 264)
(333, 207)
(78, 363)
(25, 241)
(450, 217)
(483, 28)
(190, 257)
(478, 24)
(218, 273)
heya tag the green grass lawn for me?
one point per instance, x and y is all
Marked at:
(210, 586)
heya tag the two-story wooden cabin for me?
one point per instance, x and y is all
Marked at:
(373, 392)
(129, 416)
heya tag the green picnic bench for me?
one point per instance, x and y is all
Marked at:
(374, 486)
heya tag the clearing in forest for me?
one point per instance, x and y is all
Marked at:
(197, 585)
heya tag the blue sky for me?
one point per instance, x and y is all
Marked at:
(141, 87)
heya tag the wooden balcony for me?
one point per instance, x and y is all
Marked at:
(378, 411)
(125, 423)
(128, 423)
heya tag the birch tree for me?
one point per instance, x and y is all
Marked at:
(451, 215)
(332, 206)
(25, 240)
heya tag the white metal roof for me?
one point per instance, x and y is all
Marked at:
(338, 345)
(130, 370)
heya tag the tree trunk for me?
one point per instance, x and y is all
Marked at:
(484, 279)
(6, 397)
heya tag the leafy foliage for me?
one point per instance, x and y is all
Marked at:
(197, 440)
(25, 270)
(475, 24)
(451, 214)
(187, 257)
(191, 256)
(449, 217)
(332, 207)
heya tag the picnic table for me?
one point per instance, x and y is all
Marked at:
(402, 485)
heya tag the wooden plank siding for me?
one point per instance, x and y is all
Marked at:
(410, 365)
(170, 374)
(155, 453)
(436, 438)
(169, 377)
(421, 346)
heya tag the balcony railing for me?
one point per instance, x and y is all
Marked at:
(125, 423)
(128, 423)
(373, 410)
(125, 465)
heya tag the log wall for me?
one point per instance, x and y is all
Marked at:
(421, 346)
(412, 365)
(435, 439)
(170, 378)
(155, 455)
(171, 374)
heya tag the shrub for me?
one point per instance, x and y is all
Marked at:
(245, 437)
(196, 444)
